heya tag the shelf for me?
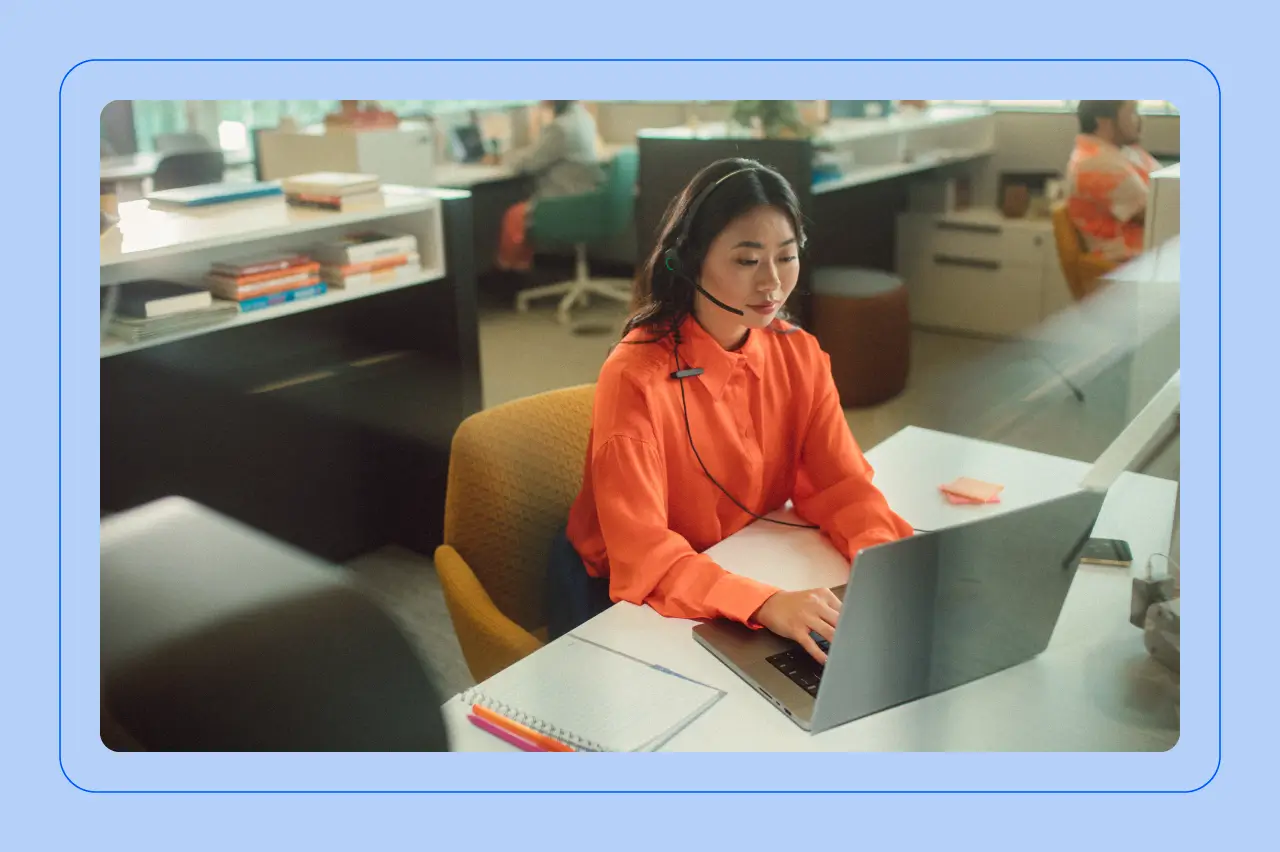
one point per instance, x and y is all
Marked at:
(862, 175)
(853, 129)
(114, 346)
(146, 232)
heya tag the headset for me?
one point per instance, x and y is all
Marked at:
(671, 260)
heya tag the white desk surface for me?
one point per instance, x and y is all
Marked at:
(466, 175)
(863, 175)
(126, 167)
(1094, 689)
(146, 232)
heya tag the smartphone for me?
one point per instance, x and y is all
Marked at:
(1107, 551)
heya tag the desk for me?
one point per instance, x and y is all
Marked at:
(851, 217)
(1093, 689)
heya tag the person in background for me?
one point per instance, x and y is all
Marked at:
(564, 161)
(1108, 179)
(709, 357)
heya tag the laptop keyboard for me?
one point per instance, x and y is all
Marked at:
(804, 671)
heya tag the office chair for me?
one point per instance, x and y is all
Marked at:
(1082, 269)
(514, 470)
(582, 219)
(190, 168)
(216, 637)
(178, 143)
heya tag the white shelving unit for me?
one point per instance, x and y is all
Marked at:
(182, 244)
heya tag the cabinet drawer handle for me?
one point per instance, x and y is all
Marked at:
(968, 226)
(971, 262)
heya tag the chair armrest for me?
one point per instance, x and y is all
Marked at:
(490, 641)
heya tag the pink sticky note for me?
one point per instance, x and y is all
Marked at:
(974, 489)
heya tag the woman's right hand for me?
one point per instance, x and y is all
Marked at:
(793, 614)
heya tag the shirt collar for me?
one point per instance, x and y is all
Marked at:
(699, 349)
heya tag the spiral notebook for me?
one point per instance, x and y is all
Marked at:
(594, 698)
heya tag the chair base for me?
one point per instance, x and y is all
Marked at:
(578, 290)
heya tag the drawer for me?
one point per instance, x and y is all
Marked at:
(1001, 301)
(921, 236)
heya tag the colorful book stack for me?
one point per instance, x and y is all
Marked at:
(369, 258)
(332, 190)
(266, 281)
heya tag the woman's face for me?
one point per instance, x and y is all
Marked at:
(753, 265)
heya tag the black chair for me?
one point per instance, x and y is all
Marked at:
(190, 168)
(181, 143)
(217, 637)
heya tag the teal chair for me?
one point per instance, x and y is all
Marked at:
(580, 220)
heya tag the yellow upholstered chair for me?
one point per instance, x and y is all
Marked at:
(514, 470)
(1082, 269)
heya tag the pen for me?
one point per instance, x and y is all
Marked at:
(504, 735)
(547, 743)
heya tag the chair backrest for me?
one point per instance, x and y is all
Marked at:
(514, 470)
(191, 168)
(1069, 246)
(619, 190)
(177, 143)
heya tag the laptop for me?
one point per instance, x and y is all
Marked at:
(922, 615)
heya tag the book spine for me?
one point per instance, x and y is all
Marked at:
(380, 276)
(239, 294)
(298, 201)
(297, 268)
(231, 271)
(269, 301)
(366, 252)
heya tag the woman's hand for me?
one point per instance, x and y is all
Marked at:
(793, 614)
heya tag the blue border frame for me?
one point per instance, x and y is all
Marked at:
(62, 767)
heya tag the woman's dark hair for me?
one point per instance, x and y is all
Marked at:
(661, 298)
(561, 107)
(1090, 111)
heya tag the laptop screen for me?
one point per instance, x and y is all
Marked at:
(468, 146)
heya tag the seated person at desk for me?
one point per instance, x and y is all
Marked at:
(563, 162)
(712, 412)
(1108, 179)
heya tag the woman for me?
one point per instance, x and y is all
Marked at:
(715, 411)
(563, 162)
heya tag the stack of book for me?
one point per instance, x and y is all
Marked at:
(369, 258)
(265, 281)
(332, 190)
(151, 309)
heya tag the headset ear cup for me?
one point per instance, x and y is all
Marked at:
(671, 260)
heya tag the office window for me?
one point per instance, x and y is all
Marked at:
(1147, 107)
(238, 119)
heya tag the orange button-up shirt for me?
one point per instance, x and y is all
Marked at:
(766, 420)
(1106, 188)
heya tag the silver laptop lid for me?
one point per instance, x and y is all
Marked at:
(938, 610)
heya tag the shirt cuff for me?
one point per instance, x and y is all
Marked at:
(738, 597)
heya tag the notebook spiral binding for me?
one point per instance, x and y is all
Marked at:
(475, 696)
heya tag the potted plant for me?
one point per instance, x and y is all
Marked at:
(776, 119)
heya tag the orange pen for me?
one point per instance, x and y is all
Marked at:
(520, 730)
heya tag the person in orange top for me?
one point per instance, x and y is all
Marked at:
(1108, 178)
(713, 412)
